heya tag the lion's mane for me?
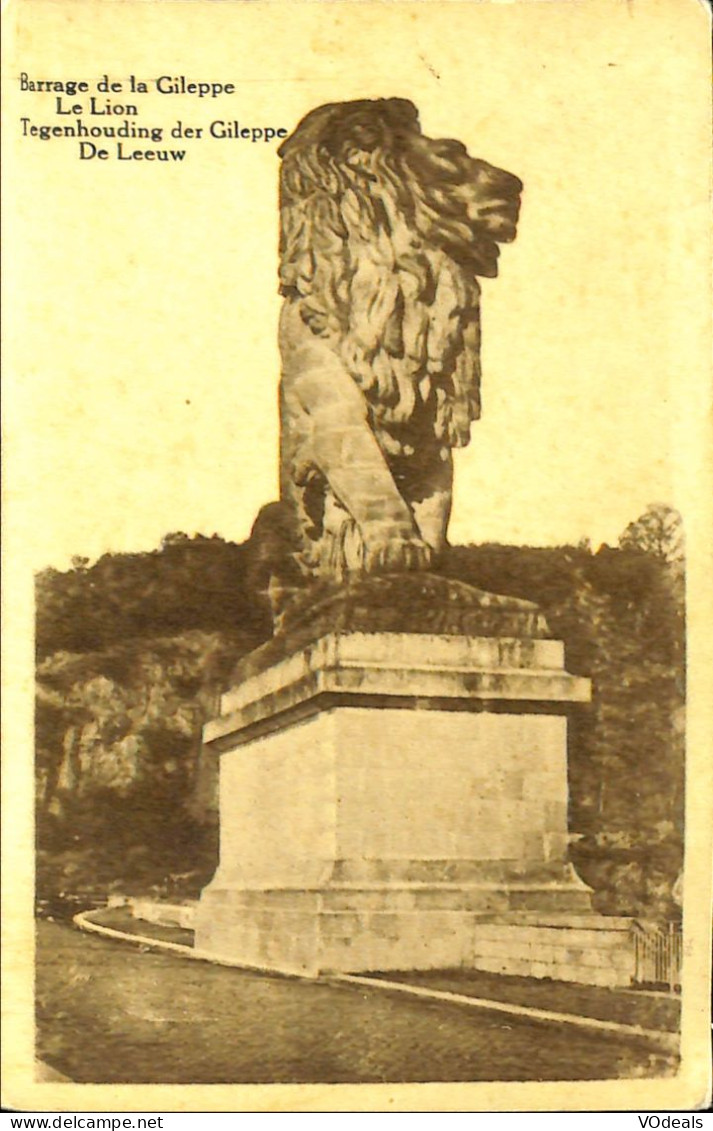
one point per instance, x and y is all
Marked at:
(383, 232)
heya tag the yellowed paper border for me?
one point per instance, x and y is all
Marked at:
(486, 58)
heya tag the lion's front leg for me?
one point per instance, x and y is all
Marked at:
(428, 490)
(346, 451)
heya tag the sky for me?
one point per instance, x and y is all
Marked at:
(144, 368)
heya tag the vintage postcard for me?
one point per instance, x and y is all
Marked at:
(357, 545)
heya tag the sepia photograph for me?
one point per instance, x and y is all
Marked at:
(357, 543)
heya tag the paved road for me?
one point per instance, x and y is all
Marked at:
(109, 1013)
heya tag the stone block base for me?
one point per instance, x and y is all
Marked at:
(312, 942)
(302, 936)
(595, 950)
(353, 930)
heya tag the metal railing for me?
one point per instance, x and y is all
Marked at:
(658, 953)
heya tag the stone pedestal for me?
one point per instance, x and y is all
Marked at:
(382, 793)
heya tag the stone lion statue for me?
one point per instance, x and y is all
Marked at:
(384, 233)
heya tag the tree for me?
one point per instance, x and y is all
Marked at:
(658, 531)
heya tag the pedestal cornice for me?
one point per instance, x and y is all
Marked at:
(408, 670)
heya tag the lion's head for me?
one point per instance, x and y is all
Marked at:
(383, 234)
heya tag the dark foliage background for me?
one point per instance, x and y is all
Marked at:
(134, 651)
